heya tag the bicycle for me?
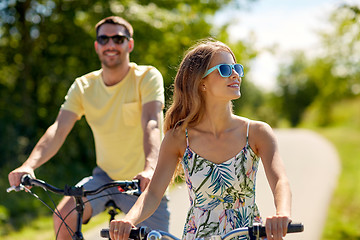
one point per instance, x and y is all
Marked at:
(127, 187)
(255, 232)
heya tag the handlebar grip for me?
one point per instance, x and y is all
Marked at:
(26, 180)
(292, 228)
(135, 233)
(104, 233)
(295, 227)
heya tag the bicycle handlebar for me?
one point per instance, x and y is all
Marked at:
(258, 230)
(254, 232)
(130, 187)
(127, 187)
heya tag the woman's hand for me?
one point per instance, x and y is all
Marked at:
(276, 227)
(120, 229)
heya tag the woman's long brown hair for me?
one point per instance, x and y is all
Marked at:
(187, 108)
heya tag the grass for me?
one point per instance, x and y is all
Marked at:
(42, 228)
(343, 221)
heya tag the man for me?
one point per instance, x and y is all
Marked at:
(122, 103)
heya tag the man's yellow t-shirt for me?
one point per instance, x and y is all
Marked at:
(114, 115)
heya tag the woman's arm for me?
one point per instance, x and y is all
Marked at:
(150, 199)
(267, 148)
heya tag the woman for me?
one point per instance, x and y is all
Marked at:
(218, 150)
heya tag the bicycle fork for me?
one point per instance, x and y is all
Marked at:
(80, 210)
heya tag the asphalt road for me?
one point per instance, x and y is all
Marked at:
(312, 166)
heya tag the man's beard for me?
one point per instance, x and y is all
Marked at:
(112, 64)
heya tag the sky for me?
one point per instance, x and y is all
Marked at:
(279, 27)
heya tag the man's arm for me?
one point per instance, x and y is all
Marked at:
(151, 118)
(47, 146)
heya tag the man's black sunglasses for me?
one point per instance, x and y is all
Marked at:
(117, 39)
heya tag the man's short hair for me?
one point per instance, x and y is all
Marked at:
(117, 21)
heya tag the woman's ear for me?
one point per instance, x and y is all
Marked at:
(202, 86)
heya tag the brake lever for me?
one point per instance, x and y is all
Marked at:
(137, 192)
(15, 188)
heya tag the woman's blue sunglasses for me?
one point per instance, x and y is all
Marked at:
(225, 70)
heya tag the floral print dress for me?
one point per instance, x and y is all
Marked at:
(222, 196)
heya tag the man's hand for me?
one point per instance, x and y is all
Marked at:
(144, 177)
(15, 175)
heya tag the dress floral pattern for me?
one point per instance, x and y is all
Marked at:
(222, 196)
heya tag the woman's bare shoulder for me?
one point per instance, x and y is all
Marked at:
(261, 134)
(258, 132)
(175, 138)
(175, 134)
(241, 120)
(260, 127)
(254, 125)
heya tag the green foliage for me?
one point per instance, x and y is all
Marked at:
(46, 44)
(318, 82)
(343, 215)
(297, 89)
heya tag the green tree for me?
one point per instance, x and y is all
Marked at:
(338, 69)
(314, 84)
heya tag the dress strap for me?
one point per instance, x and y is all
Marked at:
(247, 132)
(187, 137)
